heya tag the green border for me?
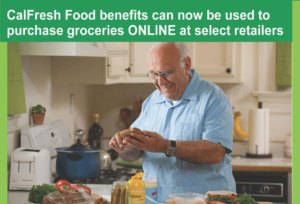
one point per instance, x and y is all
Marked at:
(3, 122)
(296, 101)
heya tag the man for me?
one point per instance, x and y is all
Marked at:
(186, 124)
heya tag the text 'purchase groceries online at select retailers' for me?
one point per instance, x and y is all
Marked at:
(140, 23)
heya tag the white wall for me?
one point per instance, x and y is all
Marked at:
(108, 99)
(36, 72)
(75, 104)
(56, 98)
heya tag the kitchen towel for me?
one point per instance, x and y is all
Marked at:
(16, 94)
(259, 131)
(283, 64)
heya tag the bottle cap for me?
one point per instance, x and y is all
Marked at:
(138, 175)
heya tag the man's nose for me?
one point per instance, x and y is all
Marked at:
(161, 80)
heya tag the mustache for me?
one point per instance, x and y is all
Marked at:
(165, 85)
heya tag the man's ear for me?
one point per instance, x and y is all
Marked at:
(188, 64)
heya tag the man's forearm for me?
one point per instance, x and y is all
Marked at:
(201, 151)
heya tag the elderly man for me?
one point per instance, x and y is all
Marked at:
(184, 131)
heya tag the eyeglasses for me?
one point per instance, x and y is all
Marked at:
(154, 75)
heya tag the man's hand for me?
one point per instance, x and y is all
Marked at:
(119, 140)
(148, 141)
(127, 151)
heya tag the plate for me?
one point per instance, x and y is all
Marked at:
(187, 195)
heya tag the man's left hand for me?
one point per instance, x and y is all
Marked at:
(148, 141)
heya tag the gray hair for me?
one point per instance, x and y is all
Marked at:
(181, 48)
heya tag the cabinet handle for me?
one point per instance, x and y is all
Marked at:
(127, 69)
(228, 70)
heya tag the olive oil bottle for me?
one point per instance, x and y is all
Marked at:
(95, 132)
(136, 189)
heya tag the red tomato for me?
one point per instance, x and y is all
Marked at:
(63, 185)
(81, 187)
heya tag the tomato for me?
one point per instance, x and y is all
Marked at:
(63, 185)
(81, 187)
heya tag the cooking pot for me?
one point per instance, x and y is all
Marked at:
(77, 162)
(105, 160)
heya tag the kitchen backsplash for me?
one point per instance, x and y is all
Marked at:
(75, 104)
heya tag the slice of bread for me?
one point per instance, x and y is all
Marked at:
(221, 193)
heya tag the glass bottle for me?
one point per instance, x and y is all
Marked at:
(95, 132)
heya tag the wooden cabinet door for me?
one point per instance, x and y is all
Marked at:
(118, 58)
(117, 66)
(138, 58)
(217, 61)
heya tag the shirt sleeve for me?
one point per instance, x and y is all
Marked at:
(218, 122)
(138, 123)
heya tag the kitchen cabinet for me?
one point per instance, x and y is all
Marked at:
(117, 66)
(219, 62)
(139, 58)
(125, 63)
(89, 49)
(81, 70)
(131, 64)
(118, 59)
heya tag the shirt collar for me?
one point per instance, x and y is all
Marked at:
(190, 92)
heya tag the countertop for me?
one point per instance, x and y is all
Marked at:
(239, 163)
(271, 164)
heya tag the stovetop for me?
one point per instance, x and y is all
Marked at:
(107, 176)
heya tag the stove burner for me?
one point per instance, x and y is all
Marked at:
(106, 176)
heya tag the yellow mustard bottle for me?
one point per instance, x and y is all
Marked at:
(136, 189)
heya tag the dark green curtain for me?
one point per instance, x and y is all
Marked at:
(16, 96)
(283, 65)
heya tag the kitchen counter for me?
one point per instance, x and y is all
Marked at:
(238, 164)
(271, 164)
(20, 197)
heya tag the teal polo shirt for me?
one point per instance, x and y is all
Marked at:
(202, 113)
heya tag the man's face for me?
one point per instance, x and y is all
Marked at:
(171, 79)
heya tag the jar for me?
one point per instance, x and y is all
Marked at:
(119, 192)
(151, 191)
